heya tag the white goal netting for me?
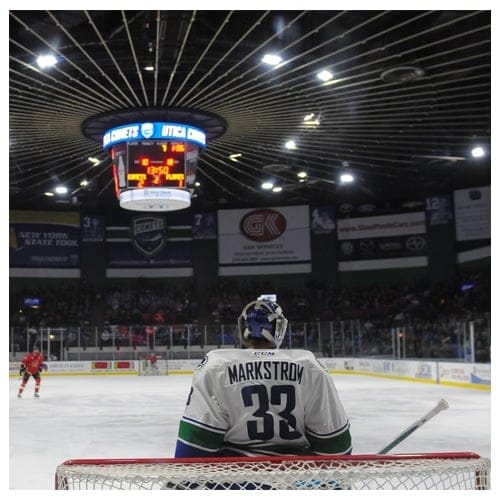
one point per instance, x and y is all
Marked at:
(145, 367)
(438, 471)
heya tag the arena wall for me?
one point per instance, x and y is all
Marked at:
(468, 375)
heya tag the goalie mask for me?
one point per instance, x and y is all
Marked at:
(263, 319)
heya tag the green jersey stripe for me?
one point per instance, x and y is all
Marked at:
(197, 436)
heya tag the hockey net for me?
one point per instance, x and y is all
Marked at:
(437, 471)
(145, 367)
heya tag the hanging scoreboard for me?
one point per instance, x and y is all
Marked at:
(154, 164)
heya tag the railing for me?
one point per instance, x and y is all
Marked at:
(465, 340)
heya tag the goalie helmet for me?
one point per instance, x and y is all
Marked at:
(263, 319)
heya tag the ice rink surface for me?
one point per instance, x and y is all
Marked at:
(132, 416)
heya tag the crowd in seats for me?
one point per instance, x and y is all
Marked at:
(64, 304)
(150, 304)
(430, 315)
(461, 298)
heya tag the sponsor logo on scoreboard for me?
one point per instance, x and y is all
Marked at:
(147, 130)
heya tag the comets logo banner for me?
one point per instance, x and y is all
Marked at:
(149, 234)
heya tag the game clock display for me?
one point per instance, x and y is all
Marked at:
(156, 164)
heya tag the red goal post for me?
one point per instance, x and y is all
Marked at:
(424, 471)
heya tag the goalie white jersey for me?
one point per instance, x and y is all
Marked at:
(262, 402)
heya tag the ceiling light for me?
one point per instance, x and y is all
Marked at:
(478, 152)
(272, 59)
(346, 178)
(235, 156)
(48, 193)
(290, 145)
(61, 189)
(94, 161)
(402, 74)
(277, 189)
(301, 174)
(149, 67)
(46, 61)
(267, 185)
(325, 75)
(311, 119)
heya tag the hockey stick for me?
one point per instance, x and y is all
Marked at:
(442, 405)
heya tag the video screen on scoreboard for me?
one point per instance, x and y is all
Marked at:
(156, 164)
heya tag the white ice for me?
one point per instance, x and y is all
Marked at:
(131, 416)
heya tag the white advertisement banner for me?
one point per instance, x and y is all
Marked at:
(381, 226)
(473, 213)
(265, 235)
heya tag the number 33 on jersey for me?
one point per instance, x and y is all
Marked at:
(262, 402)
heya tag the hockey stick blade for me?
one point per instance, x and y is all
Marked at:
(442, 405)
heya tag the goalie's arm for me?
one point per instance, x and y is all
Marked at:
(22, 369)
(327, 427)
(202, 427)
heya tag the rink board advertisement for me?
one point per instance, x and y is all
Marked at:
(472, 375)
(442, 372)
(44, 239)
(265, 235)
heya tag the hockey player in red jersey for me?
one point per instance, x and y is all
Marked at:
(152, 359)
(31, 366)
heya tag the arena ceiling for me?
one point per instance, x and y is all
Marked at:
(408, 97)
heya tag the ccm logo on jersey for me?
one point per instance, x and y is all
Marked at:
(264, 354)
(263, 225)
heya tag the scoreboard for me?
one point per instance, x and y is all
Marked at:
(154, 164)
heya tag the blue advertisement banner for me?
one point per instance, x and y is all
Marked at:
(44, 239)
